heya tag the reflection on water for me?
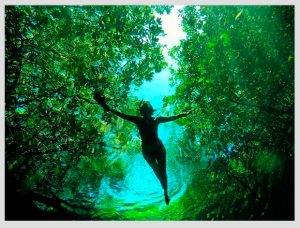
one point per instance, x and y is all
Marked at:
(139, 195)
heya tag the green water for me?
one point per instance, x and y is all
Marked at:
(140, 196)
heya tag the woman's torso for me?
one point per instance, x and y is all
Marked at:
(148, 128)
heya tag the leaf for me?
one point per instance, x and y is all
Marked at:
(201, 79)
(29, 35)
(211, 44)
(21, 111)
(238, 15)
(226, 39)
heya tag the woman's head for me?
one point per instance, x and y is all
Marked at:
(146, 109)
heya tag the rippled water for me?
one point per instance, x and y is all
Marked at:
(139, 195)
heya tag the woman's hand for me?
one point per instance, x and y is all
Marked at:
(101, 100)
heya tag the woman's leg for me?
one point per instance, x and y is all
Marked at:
(161, 159)
(151, 160)
(157, 162)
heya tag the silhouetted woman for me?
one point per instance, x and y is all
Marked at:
(153, 150)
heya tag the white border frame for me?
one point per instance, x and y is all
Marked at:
(148, 2)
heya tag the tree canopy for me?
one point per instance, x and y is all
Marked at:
(56, 58)
(235, 70)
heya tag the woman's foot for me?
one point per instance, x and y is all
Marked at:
(167, 199)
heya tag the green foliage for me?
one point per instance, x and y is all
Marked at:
(237, 166)
(236, 70)
(266, 162)
(56, 58)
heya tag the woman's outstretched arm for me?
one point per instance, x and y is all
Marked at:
(101, 100)
(171, 118)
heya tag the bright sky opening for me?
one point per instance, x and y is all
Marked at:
(155, 90)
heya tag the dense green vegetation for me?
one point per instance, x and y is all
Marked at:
(235, 69)
(56, 58)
